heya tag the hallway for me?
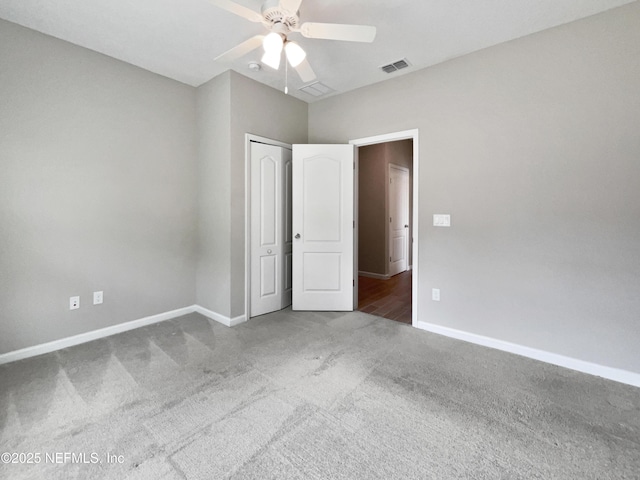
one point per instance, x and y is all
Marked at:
(386, 298)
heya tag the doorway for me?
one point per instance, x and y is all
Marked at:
(352, 198)
(386, 219)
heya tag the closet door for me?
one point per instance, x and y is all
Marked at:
(270, 228)
(288, 229)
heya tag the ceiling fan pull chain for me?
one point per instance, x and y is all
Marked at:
(286, 77)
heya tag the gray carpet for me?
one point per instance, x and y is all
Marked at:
(310, 396)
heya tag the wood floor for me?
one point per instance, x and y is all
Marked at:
(386, 298)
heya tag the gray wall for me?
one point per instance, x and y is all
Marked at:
(229, 106)
(214, 195)
(120, 180)
(532, 146)
(97, 190)
(373, 169)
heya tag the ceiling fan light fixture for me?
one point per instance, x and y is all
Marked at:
(295, 53)
(272, 59)
(272, 44)
(280, 18)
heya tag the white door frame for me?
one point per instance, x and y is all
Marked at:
(391, 137)
(247, 212)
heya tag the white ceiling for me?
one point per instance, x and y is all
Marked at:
(180, 38)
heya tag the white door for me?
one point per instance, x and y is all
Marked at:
(288, 229)
(270, 219)
(323, 227)
(398, 219)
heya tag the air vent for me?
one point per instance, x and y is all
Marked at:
(395, 66)
(316, 89)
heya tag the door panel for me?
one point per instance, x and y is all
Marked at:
(268, 276)
(268, 203)
(321, 272)
(268, 215)
(323, 227)
(398, 219)
(397, 248)
(322, 202)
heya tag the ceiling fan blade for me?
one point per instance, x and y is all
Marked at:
(334, 31)
(238, 9)
(306, 72)
(240, 50)
(291, 6)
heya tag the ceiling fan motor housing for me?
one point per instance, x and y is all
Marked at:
(278, 20)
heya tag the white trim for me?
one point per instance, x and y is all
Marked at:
(229, 322)
(379, 276)
(610, 373)
(92, 335)
(356, 222)
(385, 137)
(248, 138)
(113, 330)
(392, 137)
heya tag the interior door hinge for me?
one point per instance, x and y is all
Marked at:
(354, 282)
(354, 224)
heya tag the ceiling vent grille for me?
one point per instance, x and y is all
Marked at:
(316, 89)
(395, 66)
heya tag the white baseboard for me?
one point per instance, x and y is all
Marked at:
(92, 335)
(610, 373)
(379, 276)
(114, 329)
(229, 322)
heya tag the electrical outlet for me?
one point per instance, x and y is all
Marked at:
(74, 303)
(97, 298)
(435, 294)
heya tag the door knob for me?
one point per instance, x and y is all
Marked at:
(297, 235)
(269, 252)
(406, 226)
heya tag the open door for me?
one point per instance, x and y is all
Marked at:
(270, 228)
(323, 227)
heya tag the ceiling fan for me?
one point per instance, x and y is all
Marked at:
(280, 17)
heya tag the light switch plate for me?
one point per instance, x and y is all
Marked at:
(435, 294)
(74, 303)
(441, 220)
